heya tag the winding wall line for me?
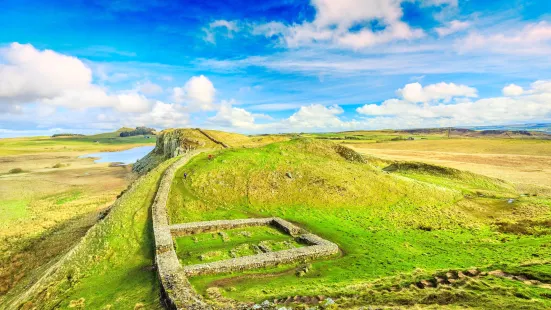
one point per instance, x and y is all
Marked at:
(211, 138)
(177, 292)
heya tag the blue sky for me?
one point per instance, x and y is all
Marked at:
(272, 66)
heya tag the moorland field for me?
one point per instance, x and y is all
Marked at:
(432, 219)
(49, 198)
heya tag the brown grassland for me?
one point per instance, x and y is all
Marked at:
(50, 204)
(525, 163)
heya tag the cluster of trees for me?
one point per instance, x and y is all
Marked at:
(138, 132)
(66, 135)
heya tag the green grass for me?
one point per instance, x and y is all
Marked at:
(209, 247)
(371, 136)
(386, 223)
(113, 264)
(11, 210)
(106, 141)
(68, 197)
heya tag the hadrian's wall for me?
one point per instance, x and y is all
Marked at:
(211, 138)
(176, 290)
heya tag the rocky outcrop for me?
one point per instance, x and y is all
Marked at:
(349, 154)
(172, 143)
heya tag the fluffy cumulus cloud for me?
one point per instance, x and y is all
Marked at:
(316, 116)
(517, 105)
(60, 90)
(334, 21)
(162, 115)
(232, 117)
(28, 74)
(533, 38)
(512, 90)
(198, 94)
(416, 93)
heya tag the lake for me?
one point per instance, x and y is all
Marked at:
(126, 157)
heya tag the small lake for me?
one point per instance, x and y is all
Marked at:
(126, 157)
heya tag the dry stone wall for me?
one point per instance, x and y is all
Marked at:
(208, 226)
(317, 246)
(211, 138)
(176, 290)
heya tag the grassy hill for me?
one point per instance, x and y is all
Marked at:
(112, 267)
(407, 221)
(402, 227)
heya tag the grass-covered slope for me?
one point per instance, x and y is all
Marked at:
(411, 219)
(112, 267)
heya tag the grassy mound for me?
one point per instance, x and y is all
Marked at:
(112, 267)
(237, 140)
(417, 217)
(467, 182)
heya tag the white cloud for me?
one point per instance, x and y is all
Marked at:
(452, 3)
(541, 87)
(133, 103)
(198, 93)
(531, 105)
(89, 97)
(28, 74)
(533, 38)
(512, 90)
(316, 116)
(229, 26)
(162, 115)
(452, 27)
(311, 117)
(366, 37)
(149, 88)
(415, 92)
(35, 83)
(334, 19)
(230, 117)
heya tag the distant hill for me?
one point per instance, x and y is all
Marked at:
(543, 127)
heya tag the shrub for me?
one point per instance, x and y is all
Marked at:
(16, 170)
(59, 165)
(138, 131)
(67, 135)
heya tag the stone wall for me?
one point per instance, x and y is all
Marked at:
(317, 246)
(211, 138)
(177, 292)
(208, 226)
(263, 260)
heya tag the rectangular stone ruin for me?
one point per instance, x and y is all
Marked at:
(317, 247)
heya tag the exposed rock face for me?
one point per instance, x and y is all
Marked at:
(349, 154)
(174, 142)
